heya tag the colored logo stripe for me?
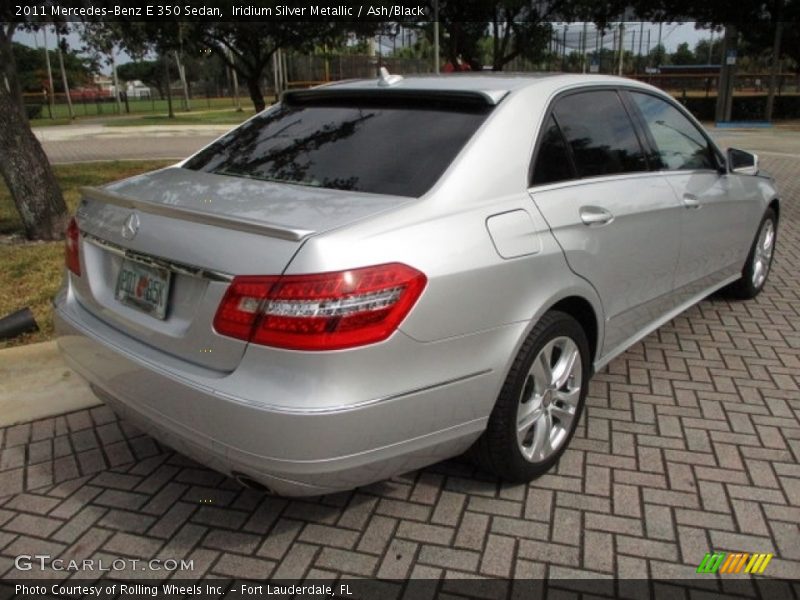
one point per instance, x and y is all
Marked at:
(722, 562)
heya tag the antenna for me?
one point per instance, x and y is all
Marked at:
(386, 79)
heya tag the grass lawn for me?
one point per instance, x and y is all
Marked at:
(147, 112)
(210, 117)
(31, 272)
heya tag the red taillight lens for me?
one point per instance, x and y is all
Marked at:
(72, 256)
(241, 306)
(325, 311)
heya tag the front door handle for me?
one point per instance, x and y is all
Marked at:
(595, 215)
(691, 201)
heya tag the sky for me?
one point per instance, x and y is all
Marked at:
(672, 34)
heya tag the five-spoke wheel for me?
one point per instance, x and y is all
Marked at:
(541, 401)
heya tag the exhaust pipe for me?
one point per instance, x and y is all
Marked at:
(251, 484)
(17, 323)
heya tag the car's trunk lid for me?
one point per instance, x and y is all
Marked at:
(202, 228)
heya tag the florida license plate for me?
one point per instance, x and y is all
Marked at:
(143, 287)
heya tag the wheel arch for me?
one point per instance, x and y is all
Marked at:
(775, 205)
(580, 309)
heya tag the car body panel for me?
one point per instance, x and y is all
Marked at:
(630, 261)
(497, 256)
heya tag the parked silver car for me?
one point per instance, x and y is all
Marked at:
(376, 275)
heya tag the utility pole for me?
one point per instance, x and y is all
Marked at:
(64, 77)
(641, 39)
(115, 80)
(711, 48)
(583, 49)
(774, 67)
(660, 48)
(182, 69)
(726, 74)
(182, 75)
(51, 96)
(621, 47)
(436, 36)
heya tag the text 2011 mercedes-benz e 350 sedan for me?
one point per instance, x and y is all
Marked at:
(376, 275)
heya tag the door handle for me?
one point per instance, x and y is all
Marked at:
(691, 201)
(594, 215)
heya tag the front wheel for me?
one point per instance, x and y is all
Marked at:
(541, 401)
(759, 260)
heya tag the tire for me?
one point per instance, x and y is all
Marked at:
(759, 261)
(546, 415)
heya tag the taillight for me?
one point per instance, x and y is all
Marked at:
(72, 256)
(326, 311)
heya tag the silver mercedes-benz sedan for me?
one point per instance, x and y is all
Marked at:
(373, 276)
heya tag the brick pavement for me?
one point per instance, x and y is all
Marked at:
(690, 443)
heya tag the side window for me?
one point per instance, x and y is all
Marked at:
(552, 158)
(679, 143)
(600, 133)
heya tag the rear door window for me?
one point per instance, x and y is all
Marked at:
(679, 143)
(553, 162)
(600, 133)
(374, 145)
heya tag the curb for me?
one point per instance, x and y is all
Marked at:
(35, 383)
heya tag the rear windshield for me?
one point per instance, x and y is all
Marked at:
(368, 146)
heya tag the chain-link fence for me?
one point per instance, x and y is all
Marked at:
(300, 70)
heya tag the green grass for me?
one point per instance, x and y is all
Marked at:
(31, 272)
(107, 111)
(214, 117)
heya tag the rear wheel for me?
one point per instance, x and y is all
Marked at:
(759, 261)
(540, 403)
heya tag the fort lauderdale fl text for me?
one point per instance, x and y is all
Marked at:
(168, 589)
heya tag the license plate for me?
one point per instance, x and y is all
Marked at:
(143, 287)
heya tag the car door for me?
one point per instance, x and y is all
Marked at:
(716, 220)
(617, 222)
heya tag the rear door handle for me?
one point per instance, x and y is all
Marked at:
(691, 201)
(595, 215)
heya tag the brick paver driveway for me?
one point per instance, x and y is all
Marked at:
(690, 443)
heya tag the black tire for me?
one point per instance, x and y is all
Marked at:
(498, 449)
(745, 288)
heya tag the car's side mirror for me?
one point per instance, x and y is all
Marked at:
(741, 162)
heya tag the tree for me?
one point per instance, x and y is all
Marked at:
(682, 55)
(516, 28)
(658, 56)
(23, 163)
(248, 47)
(32, 70)
(708, 52)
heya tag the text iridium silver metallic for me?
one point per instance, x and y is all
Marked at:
(322, 334)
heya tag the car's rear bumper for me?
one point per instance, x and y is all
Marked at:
(292, 451)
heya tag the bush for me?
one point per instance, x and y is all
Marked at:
(745, 108)
(34, 110)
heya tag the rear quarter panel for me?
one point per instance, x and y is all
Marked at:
(471, 287)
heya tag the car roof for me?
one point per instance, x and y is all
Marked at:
(493, 86)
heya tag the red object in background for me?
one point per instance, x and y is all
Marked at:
(459, 66)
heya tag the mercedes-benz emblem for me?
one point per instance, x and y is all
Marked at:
(130, 227)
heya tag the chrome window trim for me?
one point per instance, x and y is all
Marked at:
(180, 268)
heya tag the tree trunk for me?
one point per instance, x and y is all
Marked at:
(774, 69)
(170, 111)
(23, 163)
(256, 96)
